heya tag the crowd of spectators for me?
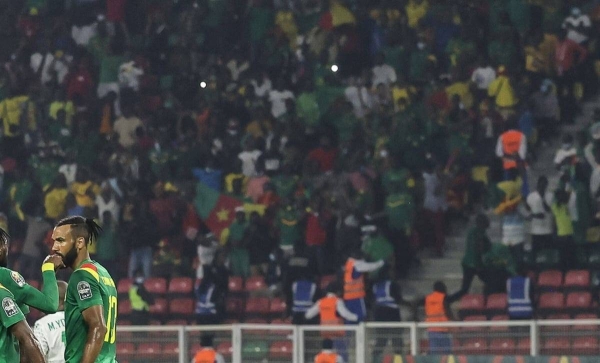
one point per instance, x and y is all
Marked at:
(330, 114)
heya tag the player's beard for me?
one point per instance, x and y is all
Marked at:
(4, 260)
(70, 257)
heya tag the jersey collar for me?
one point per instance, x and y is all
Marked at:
(87, 260)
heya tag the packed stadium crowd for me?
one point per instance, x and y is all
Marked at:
(297, 139)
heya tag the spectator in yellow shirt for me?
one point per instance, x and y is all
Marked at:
(55, 199)
(415, 11)
(84, 189)
(501, 89)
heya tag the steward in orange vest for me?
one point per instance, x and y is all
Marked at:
(207, 354)
(328, 309)
(354, 283)
(437, 310)
(511, 147)
(327, 355)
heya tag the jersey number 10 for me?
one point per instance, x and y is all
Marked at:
(111, 321)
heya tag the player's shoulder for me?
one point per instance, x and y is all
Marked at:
(87, 271)
(8, 277)
(5, 292)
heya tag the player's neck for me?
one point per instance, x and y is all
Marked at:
(80, 259)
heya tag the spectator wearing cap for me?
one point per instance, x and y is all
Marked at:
(502, 91)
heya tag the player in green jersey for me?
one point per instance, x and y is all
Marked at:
(91, 301)
(24, 294)
(15, 333)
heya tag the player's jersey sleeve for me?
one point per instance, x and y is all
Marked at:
(10, 313)
(45, 300)
(87, 288)
(42, 336)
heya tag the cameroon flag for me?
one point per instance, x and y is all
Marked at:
(218, 210)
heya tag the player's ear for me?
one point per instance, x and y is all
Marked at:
(80, 242)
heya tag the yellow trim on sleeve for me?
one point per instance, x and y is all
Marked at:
(92, 272)
(48, 266)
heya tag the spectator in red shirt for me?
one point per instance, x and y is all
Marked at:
(316, 235)
(164, 209)
(568, 57)
(324, 155)
(79, 82)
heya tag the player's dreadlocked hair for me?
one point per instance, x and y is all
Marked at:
(4, 236)
(83, 227)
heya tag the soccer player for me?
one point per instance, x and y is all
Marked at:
(91, 301)
(24, 294)
(16, 337)
(50, 330)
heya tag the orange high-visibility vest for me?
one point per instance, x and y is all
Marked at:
(205, 355)
(324, 357)
(328, 315)
(435, 310)
(353, 288)
(511, 142)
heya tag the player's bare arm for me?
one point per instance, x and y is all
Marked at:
(30, 348)
(94, 318)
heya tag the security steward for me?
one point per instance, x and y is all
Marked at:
(140, 300)
(207, 353)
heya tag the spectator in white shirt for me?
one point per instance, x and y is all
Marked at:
(383, 73)
(50, 329)
(358, 95)
(278, 97)
(207, 248)
(538, 205)
(249, 157)
(566, 154)
(483, 75)
(577, 26)
(262, 89)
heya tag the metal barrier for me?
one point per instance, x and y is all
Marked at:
(368, 342)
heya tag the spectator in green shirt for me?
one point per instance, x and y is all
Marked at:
(239, 256)
(477, 244)
(376, 246)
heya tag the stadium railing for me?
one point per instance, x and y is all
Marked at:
(364, 343)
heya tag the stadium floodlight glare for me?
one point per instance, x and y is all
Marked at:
(203, 84)
(334, 68)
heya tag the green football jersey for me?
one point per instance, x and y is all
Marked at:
(90, 285)
(9, 316)
(26, 295)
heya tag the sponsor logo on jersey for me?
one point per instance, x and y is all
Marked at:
(17, 278)
(84, 290)
(9, 307)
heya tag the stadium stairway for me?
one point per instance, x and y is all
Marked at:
(448, 269)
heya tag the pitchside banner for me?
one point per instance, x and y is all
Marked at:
(487, 359)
